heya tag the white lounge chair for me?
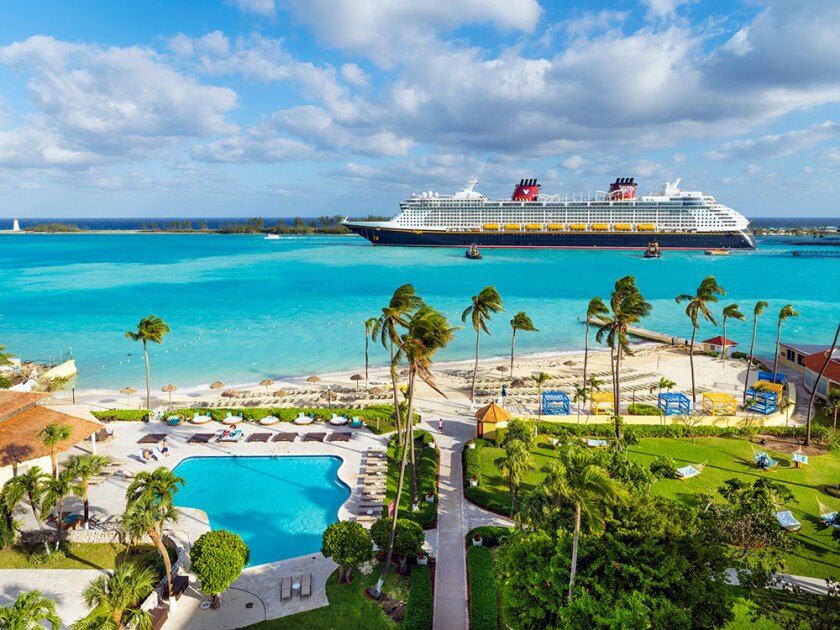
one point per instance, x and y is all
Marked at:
(338, 421)
(303, 419)
(269, 420)
(200, 418)
(157, 454)
(231, 419)
(788, 521)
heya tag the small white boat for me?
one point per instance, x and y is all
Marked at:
(272, 237)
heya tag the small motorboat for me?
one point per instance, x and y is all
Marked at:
(472, 253)
(272, 237)
(717, 252)
(653, 250)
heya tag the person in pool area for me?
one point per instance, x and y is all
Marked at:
(504, 390)
(164, 447)
(147, 455)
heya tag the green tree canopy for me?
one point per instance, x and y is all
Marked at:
(349, 544)
(28, 611)
(408, 541)
(217, 558)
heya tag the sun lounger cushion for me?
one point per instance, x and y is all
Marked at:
(151, 438)
(306, 585)
(314, 437)
(788, 521)
(259, 437)
(285, 588)
(285, 437)
(200, 438)
(338, 436)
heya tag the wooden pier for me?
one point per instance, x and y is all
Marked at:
(644, 333)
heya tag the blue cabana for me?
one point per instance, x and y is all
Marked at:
(768, 376)
(674, 404)
(555, 404)
(761, 401)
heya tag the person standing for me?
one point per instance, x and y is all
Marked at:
(440, 425)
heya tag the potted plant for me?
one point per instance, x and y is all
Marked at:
(477, 540)
(430, 495)
(473, 480)
(471, 444)
(422, 559)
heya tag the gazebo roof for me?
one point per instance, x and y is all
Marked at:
(492, 413)
(720, 341)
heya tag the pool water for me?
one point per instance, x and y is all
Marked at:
(280, 506)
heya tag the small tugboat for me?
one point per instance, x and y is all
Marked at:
(653, 250)
(472, 253)
(717, 252)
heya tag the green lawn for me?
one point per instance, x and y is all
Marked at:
(817, 554)
(427, 479)
(78, 556)
(349, 608)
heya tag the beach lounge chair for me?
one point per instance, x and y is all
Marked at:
(231, 419)
(201, 418)
(180, 583)
(233, 436)
(152, 438)
(303, 419)
(157, 454)
(692, 470)
(174, 421)
(829, 517)
(285, 437)
(200, 438)
(314, 437)
(357, 423)
(338, 421)
(69, 520)
(285, 588)
(764, 461)
(788, 521)
(258, 437)
(269, 420)
(339, 436)
(103, 435)
(590, 443)
(306, 585)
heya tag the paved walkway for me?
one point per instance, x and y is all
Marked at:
(63, 586)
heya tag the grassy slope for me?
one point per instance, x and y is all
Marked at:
(79, 556)
(349, 608)
(817, 554)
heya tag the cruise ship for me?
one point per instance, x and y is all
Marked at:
(615, 219)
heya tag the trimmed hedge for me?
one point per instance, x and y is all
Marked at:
(121, 415)
(484, 606)
(419, 609)
(427, 460)
(641, 409)
(493, 501)
(491, 535)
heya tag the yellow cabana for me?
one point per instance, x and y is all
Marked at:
(767, 386)
(489, 418)
(718, 404)
(601, 402)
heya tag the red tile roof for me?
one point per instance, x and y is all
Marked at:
(718, 341)
(815, 362)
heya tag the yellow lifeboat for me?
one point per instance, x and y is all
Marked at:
(646, 227)
(511, 226)
(622, 227)
(555, 227)
(600, 227)
(533, 227)
(577, 226)
(491, 226)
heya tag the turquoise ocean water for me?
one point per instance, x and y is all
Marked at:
(242, 308)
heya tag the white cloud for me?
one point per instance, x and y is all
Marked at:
(354, 74)
(265, 8)
(573, 163)
(777, 144)
(662, 8)
(678, 159)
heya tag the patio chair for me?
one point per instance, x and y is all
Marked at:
(285, 588)
(306, 585)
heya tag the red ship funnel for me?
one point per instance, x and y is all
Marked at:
(622, 188)
(527, 190)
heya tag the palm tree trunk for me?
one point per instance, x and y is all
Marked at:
(691, 361)
(148, 378)
(377, 589)
(58, 522)
(575, 540)
(409, 435)
(749, 363)
(512, 349)
(158, 541)
(396, 397)
(367, 342)
(475, 368)
(723, 347)
(54, 460)
(86, 502)
(585, 350)
(38, 520)
(814, 390)
(776, 356)
(618, 382)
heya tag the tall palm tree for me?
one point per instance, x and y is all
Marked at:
(729, 312)
(32, 485)
(578, 480)
(698, 305)
(580, 397)
(816, 386)
(514, 464)
(428, 331)
(522, 322)
(488, 301)
(116, 599)
(627, 306)
(52, 437)
(56, 490)
(150, 329)
(84, 467)
(540, 378)
(387, 328)
(759, 308)
(28, 612)
(786, 312)
(595, 308)
(370, 324)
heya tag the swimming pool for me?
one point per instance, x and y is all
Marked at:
(280, 506)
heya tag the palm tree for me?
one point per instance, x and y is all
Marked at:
(370, 324)
(698, 305)
(595, 308)
(116, 599)
(522, 322)
(540, 378)
(663, 383)
(150, 500)
(152, 329)
(760, 306)
(52, 436)
(578, 480)
(816, 386)
(729, 312)
(628, 306)
(5, 356)
(580, 397)
(31, 483)
(84, 467)
(786, 312)
(595, 383)
(56, 490)
(428, 331)
(488, 301)
(395, 316)
(515, 463)
(28, 611)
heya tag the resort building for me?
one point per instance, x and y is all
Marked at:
(830, 380)
(792, 355)
(718, 344)
(22, 417)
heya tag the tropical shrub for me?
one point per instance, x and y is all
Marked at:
(491, 535)
(737, 354)
(664, 467)
(484, 609)
(408, 540)
(121, 415)
(217, 558)
(420, 605)
(7, 528)
(5, 382)
(641, 409)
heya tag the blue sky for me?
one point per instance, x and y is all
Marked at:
(308, 107)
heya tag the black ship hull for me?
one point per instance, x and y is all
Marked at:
(555, 240)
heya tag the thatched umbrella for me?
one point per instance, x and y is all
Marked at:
(217, 385)
(314, 379)
(169, 389)
(280, 393)
(266, 382)
(518, 383)
(230, 393)
(128, 391)
(501, 368)
(357, 378)
(404, 373)
(376, 391)
(570, 363)
(328, 395)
